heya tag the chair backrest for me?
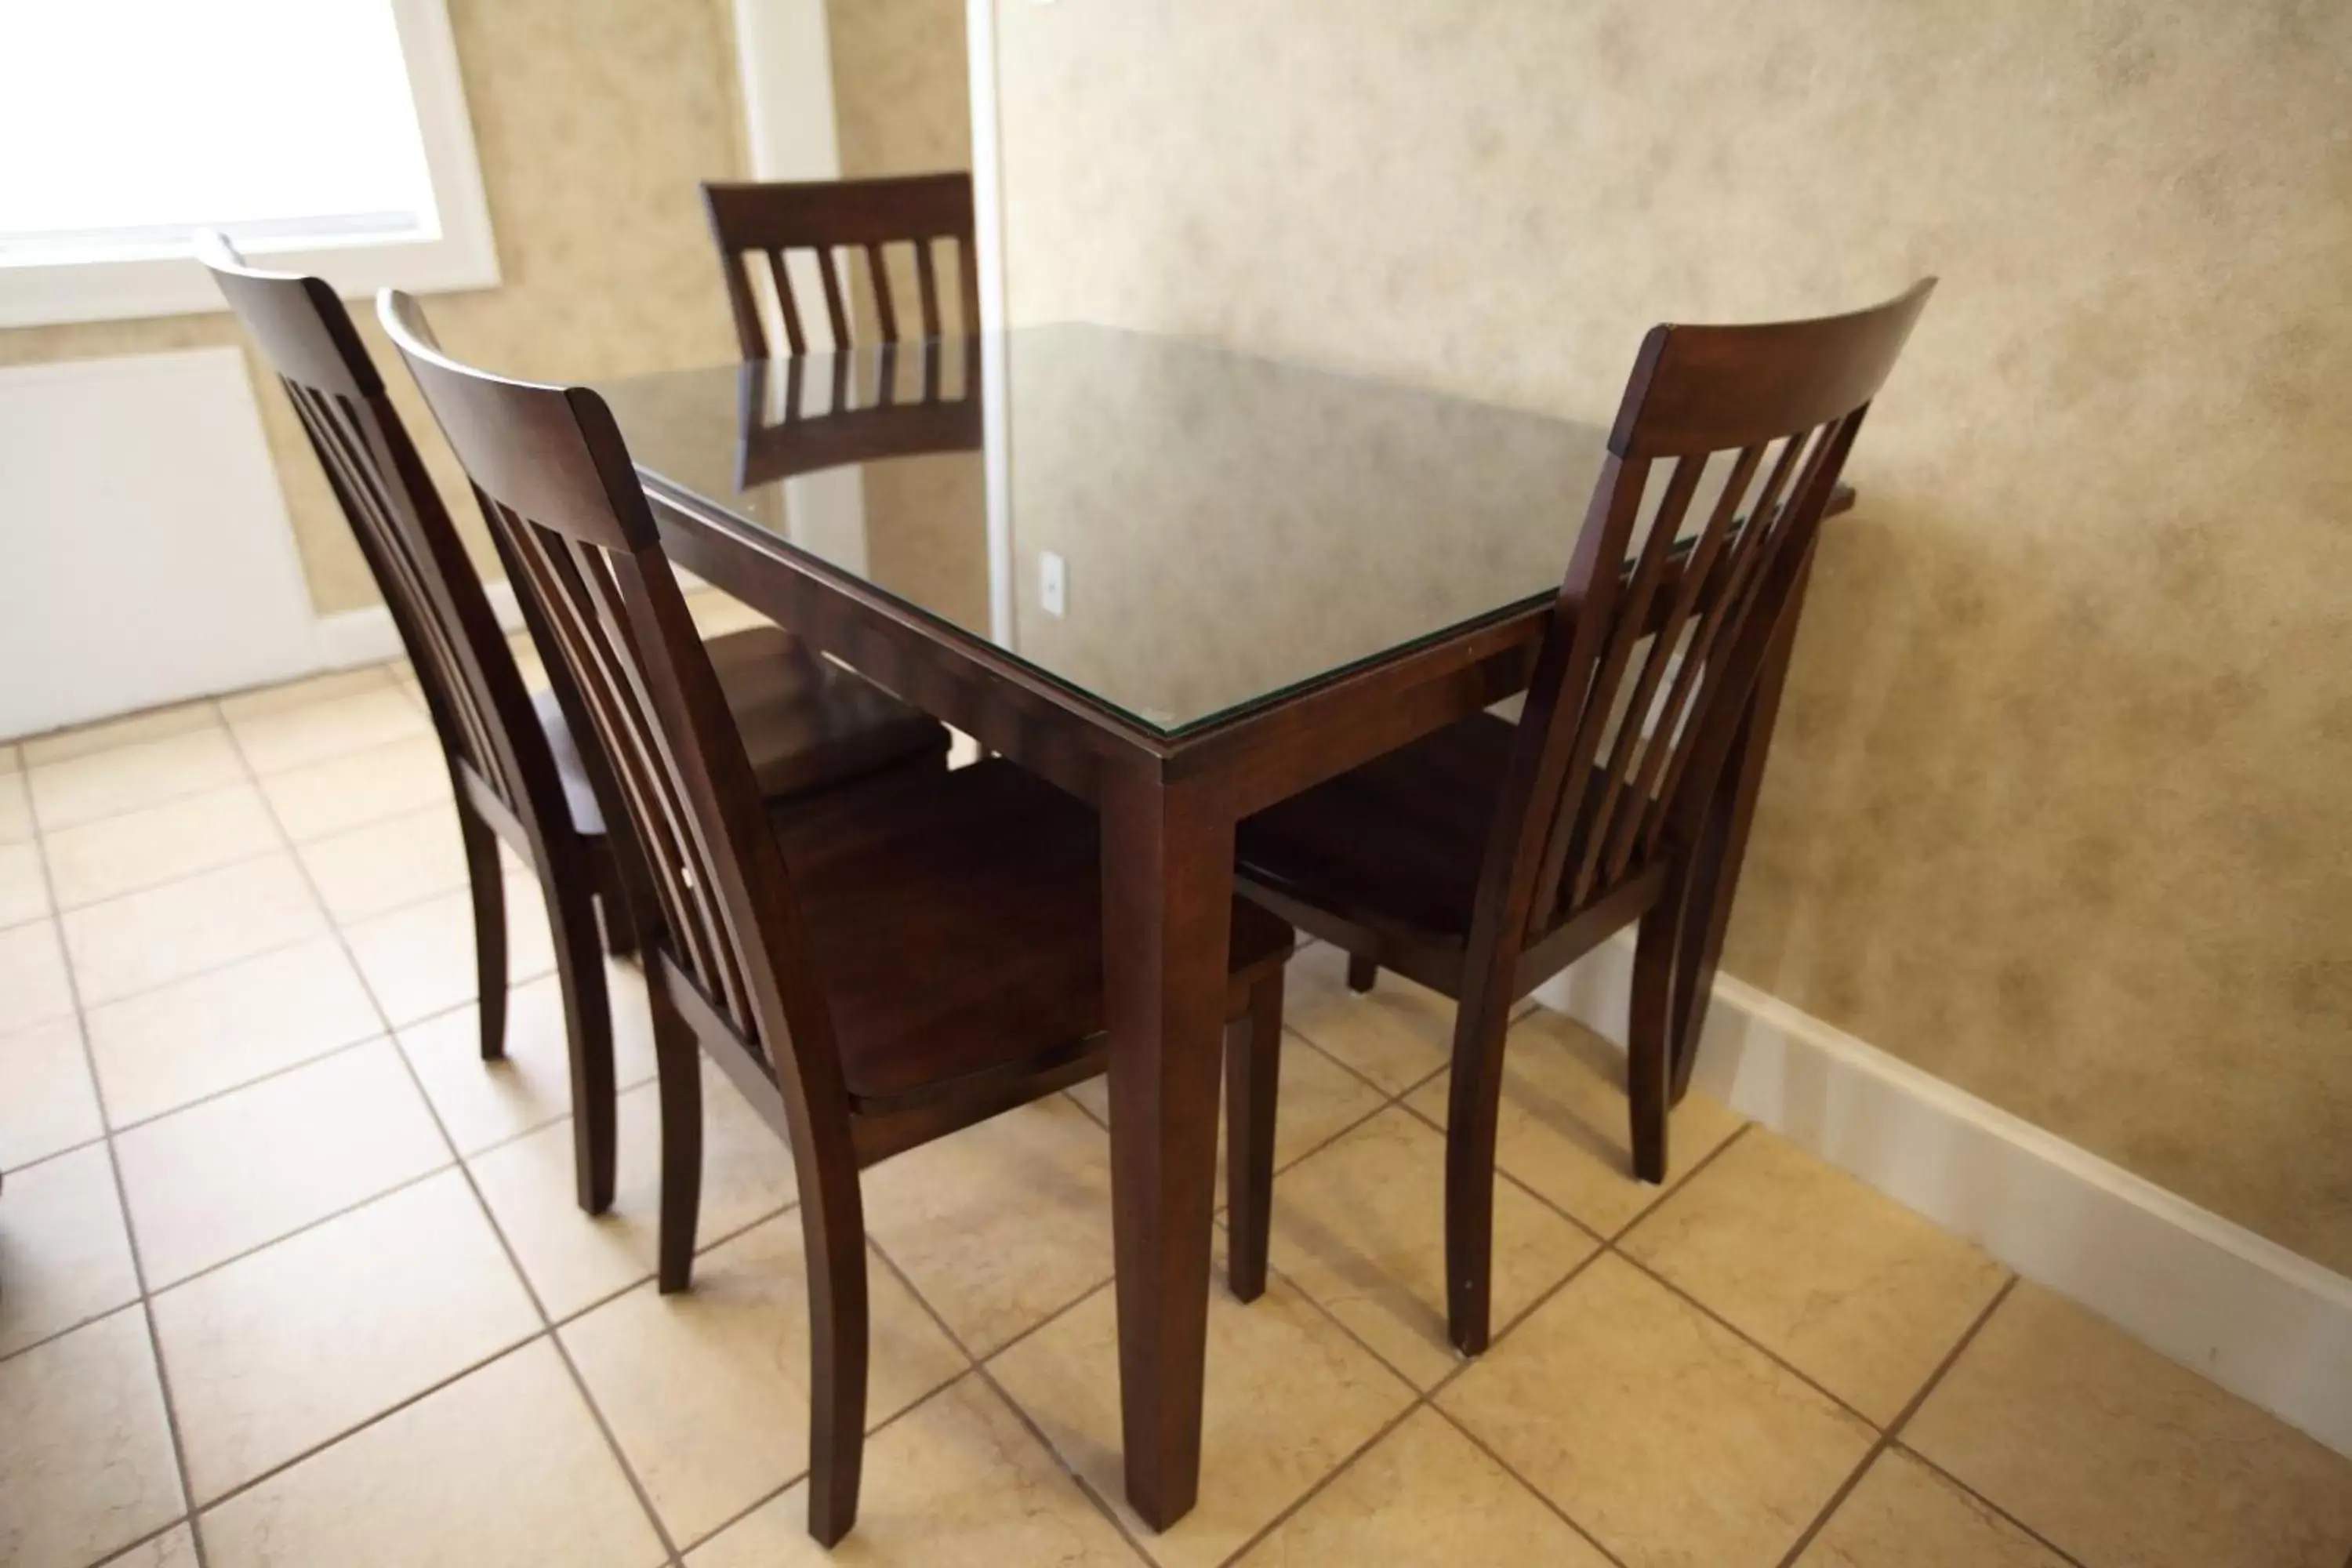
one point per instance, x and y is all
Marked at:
(758, 226)
(556, 485)
(480, 705)
(1659, 635)
(778, 438)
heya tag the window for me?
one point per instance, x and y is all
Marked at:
(325, 136)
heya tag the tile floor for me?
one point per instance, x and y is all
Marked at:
(288, 1276)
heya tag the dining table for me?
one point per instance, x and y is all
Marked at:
(1181, 581)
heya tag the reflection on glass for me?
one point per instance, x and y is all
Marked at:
(1222, 528)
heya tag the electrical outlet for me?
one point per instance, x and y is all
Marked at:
(1052, 582)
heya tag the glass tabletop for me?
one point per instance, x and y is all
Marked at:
(1183, 532)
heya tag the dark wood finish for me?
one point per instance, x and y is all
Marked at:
(787, 944)
(514, 768)
(1482, 858)
(1170, 805)
(1253, 1083)
(890, 426)
(757, 225)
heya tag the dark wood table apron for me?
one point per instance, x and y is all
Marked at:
(1168, 807)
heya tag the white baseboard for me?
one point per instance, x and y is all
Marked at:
(2269, 1325)
(353, 637)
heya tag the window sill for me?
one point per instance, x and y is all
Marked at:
(179, 285)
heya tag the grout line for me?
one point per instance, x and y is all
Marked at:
(1102, 1505)
(1887, 1438)
(1511, 1470)
(701, 1249)
(326, 1052)
(676, 1557)
(122, 1202)
(481, 1205)
(878, 1428)
(1333, 1474)
(58, 912)
(1743, 1337)
(1974, 1496)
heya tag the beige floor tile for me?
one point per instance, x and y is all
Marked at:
(361, 787)
(121, 854)
(175, 1548)
(16, 809)
(1424, 1497)
(167, 1047)
(217, 1179)
(2115, 1455)
(396, 1296)
(86, 1463)
(106, 783)
(1904, 1515)
(158, 935)
(1396, 1033)
(1662, 1433)
(414, 689)
(64, 1256)
(486, 1102)
(573, 1260)
(24, 886)
(1360, 1227)
(1001, 1225)
(50, 1104)
(956, 1482)
(1565, 1131)
(11, 760)
(707, 1392)
(1319, 1100)
(285, 738)
(1289, 1397)
(385, 865)
(1850, 1288)
(33, 984)
(267, 700)
(111, 734)
(419, 960)
(516, 1471)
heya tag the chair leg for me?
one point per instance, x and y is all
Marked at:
(587, 1028)
(1361, 972)
(1252, 1087)
(837, 1355)
(1472, 1112)
(1648, 1065)
(488, 881)
(678, 1065)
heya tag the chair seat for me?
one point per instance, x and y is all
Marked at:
(956, 920)
(1394, 845)
(807, 724)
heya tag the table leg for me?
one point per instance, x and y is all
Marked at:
(1167, 871)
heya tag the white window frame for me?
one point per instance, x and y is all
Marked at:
(464, 255)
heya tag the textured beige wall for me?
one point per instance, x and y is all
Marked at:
(594, 118)
(2060, 808)
(901, 105)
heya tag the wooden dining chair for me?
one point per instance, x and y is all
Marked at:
(758, 226)
(515, 767)
(1484, 858)
(872, 970)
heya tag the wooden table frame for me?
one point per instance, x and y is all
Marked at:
(1168, 807)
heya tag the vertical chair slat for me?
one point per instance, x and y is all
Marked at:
(786, 305)
(886, 315)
